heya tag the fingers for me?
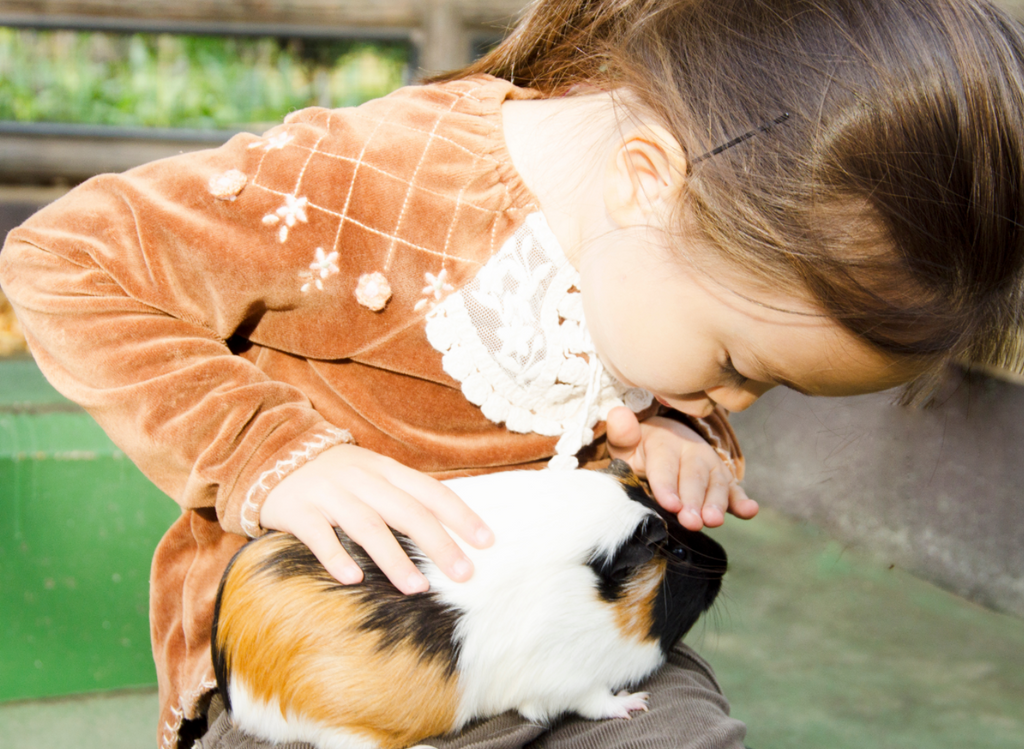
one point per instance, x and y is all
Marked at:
(623, 431)
(383, 504)
(740, 504)
(366, 495)
(446, 506)
(313, 530)
(688, 479)
(666, 477)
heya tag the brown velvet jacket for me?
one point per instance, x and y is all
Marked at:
(214, 312)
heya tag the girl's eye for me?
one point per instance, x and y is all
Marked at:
(735, 378)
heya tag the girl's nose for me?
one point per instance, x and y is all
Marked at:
(735, 398)
(697, 404)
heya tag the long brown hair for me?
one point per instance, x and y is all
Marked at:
(893, 189)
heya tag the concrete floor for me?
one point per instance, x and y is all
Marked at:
(822, 645)
(816, 645)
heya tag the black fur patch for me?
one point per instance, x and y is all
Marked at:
(693, 577)
(615, 571)
(221, 667)
(420, 619)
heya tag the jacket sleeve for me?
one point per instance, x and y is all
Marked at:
(130, 289)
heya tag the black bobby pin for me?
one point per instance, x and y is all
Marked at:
(765, 127)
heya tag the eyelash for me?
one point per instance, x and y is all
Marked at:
(731, 371)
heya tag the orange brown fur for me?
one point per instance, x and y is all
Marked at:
(394, 697)
(634, 610)
(631, 479)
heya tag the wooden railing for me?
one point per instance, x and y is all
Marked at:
(444, 31)
(443, 34)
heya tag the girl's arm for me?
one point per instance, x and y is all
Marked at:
(131, 289)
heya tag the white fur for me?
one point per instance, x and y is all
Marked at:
(265, 719)
(535, 635)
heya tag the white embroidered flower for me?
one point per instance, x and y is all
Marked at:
(325, 264)
(227, 185)
(276, 142)
(293, 211)
(322, 267)
(373, 291)
(435, 288)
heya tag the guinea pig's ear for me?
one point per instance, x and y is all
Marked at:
(615, 570)
(620, 470)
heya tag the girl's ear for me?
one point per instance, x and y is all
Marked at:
(644, 177)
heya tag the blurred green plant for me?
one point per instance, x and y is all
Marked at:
(167, 80)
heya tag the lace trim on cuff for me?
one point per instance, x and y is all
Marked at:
(250, 517)
(169, 733)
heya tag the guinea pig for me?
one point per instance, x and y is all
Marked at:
(586, 588)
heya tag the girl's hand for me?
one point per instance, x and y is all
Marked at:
(685, 473)
(364, 493)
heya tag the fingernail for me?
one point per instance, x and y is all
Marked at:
(695, 518)
(416, 583)
(350, 575)
(462, 569)
(484, 537)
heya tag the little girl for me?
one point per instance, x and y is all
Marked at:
(630, 218)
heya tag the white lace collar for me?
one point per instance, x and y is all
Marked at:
(516, 340)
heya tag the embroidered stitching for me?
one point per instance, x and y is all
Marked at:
(295, 207)
(313, 151)
(435, 289)
(360, 164)
(250, 513)
(293, 211)
(418, 131)
(186, 704)
(322, 267)
(412, 181)
(227, 185)
(368, 228)
(451, 224)
(276, 142)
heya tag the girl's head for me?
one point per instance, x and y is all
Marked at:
(889, 188)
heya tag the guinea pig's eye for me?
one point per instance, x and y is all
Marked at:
(679, 551)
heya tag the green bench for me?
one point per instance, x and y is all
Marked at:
(78, 526)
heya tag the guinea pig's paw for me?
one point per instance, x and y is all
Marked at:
(630, 702)
(607, 705)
